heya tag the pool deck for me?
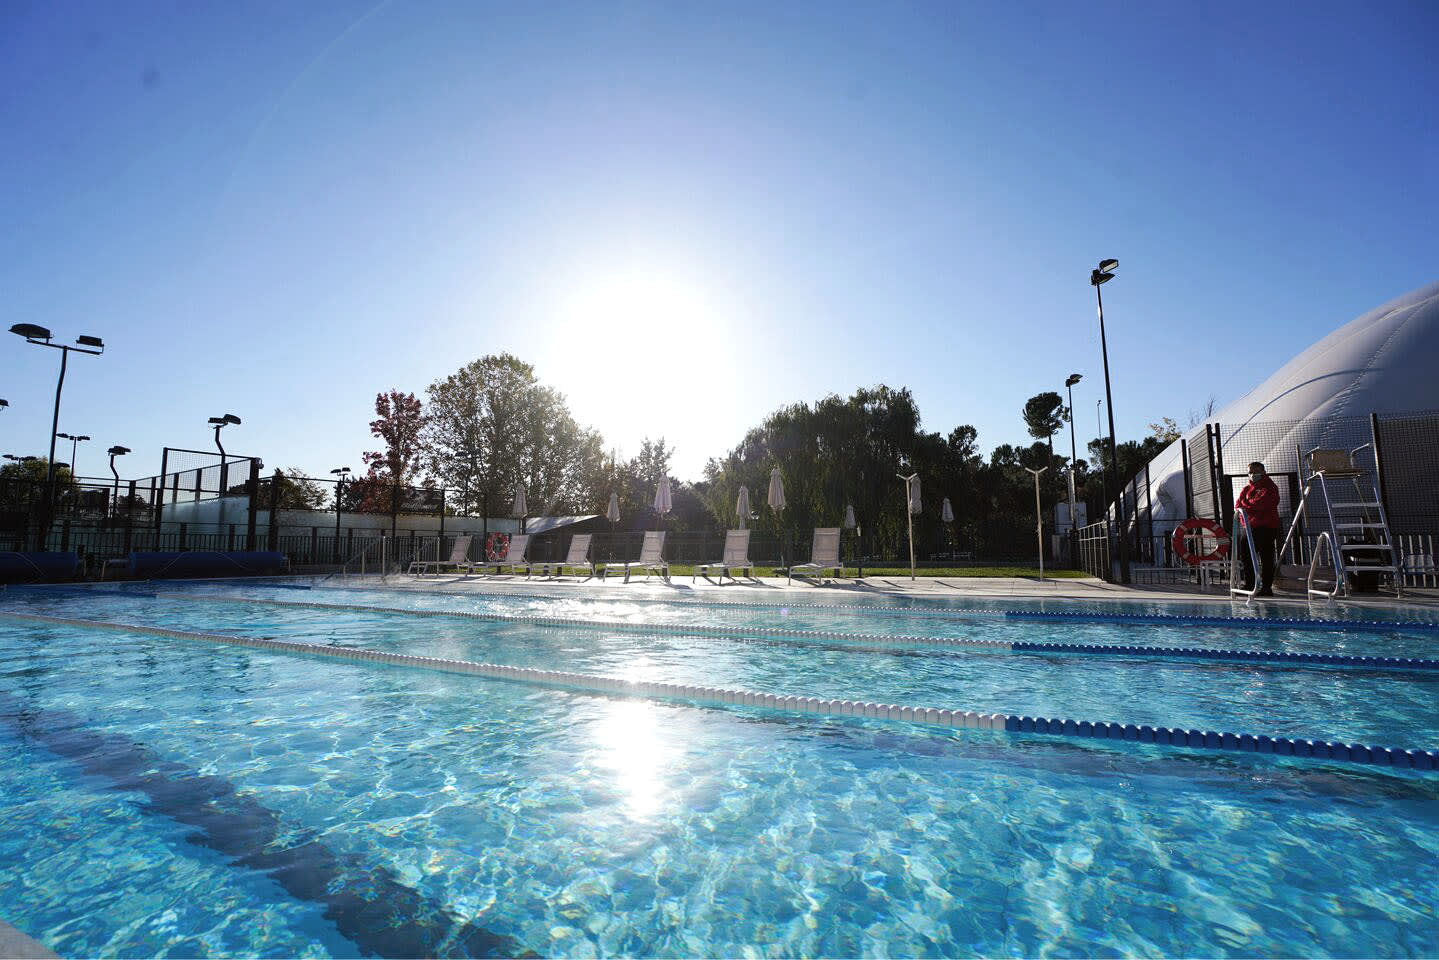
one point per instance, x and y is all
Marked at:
(17, 945)
(949, 588)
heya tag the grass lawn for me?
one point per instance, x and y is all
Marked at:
(687, 570)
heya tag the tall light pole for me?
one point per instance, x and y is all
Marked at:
(220, 423)
(41, 337)
(1038, 518)
(1097, 278)
(116, 451)
(1069, 383)
(340, 473)
(74, 442)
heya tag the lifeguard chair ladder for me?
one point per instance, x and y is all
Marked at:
(1357, 530)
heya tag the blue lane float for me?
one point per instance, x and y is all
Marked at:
(203, 563)
(1228, 656)
(1232, 623)
(1160, 736)
(31, 567)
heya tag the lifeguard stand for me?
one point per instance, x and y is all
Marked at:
(1355, 529)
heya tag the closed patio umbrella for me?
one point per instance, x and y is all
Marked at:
(612, 513)
(946, 512)
(741, 507)
(519, 508)
(776, 491)
(911, 496)
(776, 503)
(663, 501)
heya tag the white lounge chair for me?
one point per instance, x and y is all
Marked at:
(459, 557)
(736, 557)
(577, 559)
(824, 556)
(514, 558)
(650, 558)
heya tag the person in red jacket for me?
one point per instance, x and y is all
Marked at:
(1260, 501)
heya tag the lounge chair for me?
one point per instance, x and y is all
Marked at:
(577, 559)
(736, 557)
(459, 556)
(824, 556)
(650, 560)
(514, 558)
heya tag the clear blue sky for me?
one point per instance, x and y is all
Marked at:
(685, 214)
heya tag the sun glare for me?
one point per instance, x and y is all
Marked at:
(630, 748)
(631, 345)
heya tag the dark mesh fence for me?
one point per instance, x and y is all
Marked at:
(1409, 449)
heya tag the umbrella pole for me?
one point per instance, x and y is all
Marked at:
(910, 517)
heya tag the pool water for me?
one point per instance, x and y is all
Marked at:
(182, 798)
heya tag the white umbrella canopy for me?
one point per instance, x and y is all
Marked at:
(741, 507)
(914, 506)
(849, 523)
(612, 514)
(776, 490)
(519, 508)
(663, 501)
(946, 512)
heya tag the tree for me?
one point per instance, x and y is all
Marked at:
(492, 425)
(294, 490)
(1166, 431)
(299, 492)
(399, 420)
(1044, 415)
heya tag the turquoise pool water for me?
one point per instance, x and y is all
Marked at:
(183, 798)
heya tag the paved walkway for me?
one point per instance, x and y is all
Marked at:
(957, 589)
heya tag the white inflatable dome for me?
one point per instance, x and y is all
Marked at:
(1386, 361)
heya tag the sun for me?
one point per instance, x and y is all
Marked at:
(633, 346)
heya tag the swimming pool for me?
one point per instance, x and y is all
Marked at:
(177, 795)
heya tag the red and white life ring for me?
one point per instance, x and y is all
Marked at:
(1197, 528)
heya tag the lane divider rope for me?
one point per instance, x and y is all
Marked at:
(1182, 620)
(932, 716)
(1143, 619)
(863, 640)
(889, 640)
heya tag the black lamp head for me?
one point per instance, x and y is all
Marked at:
(1108, 266)
(30, 331)
(219, 421)
(231, 418)
(88, 341)
(81, 437)
(1072, 379)
(118, 451)
(341, 471)
(1097, 277)
(4, 403)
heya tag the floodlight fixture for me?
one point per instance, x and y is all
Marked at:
(1072, 379)
(30, 331)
